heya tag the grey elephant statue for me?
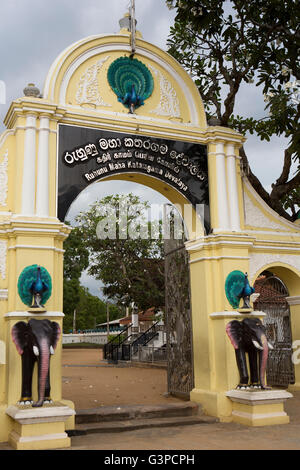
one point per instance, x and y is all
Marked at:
(249, 336)
(35, 342)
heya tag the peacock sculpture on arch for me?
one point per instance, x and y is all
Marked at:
(131, 81)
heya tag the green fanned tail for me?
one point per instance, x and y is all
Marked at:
(125, 72)
(27, 277)
(234, 285)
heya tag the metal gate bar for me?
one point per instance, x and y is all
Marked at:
(178, 319)
(272, 301)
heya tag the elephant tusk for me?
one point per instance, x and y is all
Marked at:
(270, 345)
(51, 350)
(36, 351)
(257, 345)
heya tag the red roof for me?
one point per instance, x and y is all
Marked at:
(267, 291)
(147, 315)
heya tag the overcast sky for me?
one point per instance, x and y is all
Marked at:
(34, 32)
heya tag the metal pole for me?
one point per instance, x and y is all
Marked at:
(132, 26)
(107, 320)
(74, 321)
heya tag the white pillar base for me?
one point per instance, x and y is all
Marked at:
(39, 428)
(259, 407)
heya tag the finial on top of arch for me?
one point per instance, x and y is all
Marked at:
(32, 91)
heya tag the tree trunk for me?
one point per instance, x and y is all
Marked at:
(272, 201)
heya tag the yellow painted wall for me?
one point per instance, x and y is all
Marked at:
(34, 239)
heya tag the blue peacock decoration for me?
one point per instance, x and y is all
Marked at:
(34, 286)
(131, 81)
(237, 287)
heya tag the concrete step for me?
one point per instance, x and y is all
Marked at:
(130, 417)
(127, 412)
(134, 424)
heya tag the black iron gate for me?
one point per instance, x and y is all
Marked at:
(272, 301)
(178, 319)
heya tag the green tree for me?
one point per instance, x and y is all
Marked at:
(76, 256)
(90, 310)
(226, 43)
(76, 259)
(122, 254)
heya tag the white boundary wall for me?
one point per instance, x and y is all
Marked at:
(96, 338)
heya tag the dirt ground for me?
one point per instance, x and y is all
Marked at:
(90, 383)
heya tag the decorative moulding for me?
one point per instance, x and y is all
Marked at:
(293, 300)
(88, 90)
(259, 260)
(2, 352)
(254, 296)
(3, 294)
(168, 103)
(4, 180)
(266, 217)
(22, 313)
(45, 414)
(236, 314)
(162, 62)
(261, 397)
(3, 251)
(254, 217)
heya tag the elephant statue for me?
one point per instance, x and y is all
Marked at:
(35, 342)
(249, 336)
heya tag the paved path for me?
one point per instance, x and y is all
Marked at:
(198, 437)
(216, 436)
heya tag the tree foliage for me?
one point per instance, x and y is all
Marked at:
(75, 261)
(225, 44)
(90, 310)
(76, 256)
(127, 260)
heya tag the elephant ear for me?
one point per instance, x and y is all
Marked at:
(56, 331)
(234, 331)
(19, 335)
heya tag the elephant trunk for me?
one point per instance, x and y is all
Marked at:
(44, 359)
(263, 360)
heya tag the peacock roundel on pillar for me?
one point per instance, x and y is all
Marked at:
(237, 287)
(34, 286)
(131, 81)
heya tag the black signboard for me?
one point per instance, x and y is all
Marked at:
(86, 155)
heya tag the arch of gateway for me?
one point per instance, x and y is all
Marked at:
(58, 142)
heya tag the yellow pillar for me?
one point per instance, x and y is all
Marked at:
(215, 369)
(294, 303)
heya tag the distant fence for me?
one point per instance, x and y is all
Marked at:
(95, 338)
(150, 354)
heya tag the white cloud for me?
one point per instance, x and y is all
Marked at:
(94, 286)
(34, 32)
